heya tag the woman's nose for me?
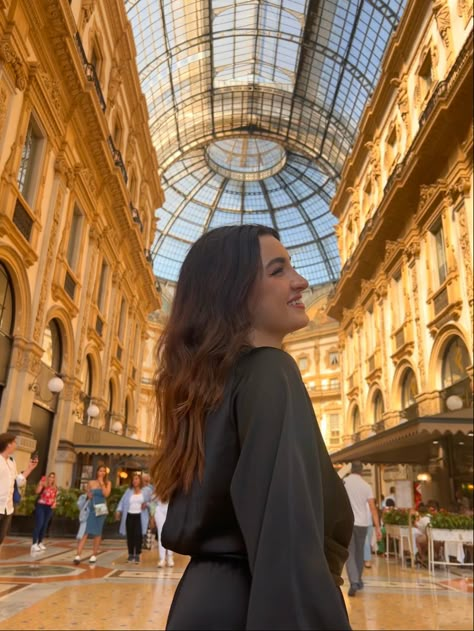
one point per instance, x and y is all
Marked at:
(298, 282)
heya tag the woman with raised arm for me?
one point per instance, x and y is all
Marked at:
(253, 497)
(47, 491)
(98, 491)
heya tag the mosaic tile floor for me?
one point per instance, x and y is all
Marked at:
(48, 592)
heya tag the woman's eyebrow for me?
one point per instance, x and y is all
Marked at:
(278, 259)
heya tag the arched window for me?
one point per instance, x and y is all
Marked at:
(7, 303)
(87, 385)
(355, 420)
(52, 345)
(110, 406)
(379, 408)
(127, 413)
(455, 361)
(7, 323)
(409, 389)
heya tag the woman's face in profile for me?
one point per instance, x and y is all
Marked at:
(276, 304)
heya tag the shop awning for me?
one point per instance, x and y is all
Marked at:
(90, 440)
(410, 442)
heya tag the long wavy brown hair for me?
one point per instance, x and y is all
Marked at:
(208, 328)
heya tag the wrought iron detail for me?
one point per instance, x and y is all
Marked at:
(117, 157)
(90, 72)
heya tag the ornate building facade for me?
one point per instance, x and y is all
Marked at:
(78, 190)
(405, 233)
(316, 351)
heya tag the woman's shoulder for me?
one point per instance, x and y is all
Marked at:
(266, 358)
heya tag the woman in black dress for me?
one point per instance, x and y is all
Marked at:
(254, 499)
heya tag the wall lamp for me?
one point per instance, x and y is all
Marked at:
(55, 386)
(92, 412)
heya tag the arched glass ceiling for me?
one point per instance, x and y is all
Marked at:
(294, 72)
(202, 198)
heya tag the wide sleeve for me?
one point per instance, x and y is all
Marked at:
(278, 500)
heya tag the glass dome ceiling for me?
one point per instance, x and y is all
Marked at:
(254, 106)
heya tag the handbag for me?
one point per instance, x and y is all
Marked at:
(16, 494)
(101, 509)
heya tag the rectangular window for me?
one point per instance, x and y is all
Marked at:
(102, 286)
(333, 358)
(334, 429)
(121, 328)
(399, 304)
(370, 331)
(441, 265)
(426, 76)
(74, 242)
(30, 162)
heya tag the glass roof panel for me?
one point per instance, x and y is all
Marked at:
(233, 84)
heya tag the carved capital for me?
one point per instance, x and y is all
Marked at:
(9, 57)
(461, 187)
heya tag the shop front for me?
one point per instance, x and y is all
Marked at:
(439, 449)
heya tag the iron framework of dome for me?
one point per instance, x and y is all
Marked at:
(254, 106)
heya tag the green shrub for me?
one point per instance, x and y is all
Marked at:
(66, 503)
(396, 516)
(28, 500)
(452, 521)
(113, 500)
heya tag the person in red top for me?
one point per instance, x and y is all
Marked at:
(47, 491)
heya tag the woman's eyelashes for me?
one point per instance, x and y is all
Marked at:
(278, 270)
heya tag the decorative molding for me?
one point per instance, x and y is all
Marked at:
(461, 187)
(9, 57)
(465, 9)
(115, 81)
(443, 21)
(3, 107)
(88, 7)
(49, 266)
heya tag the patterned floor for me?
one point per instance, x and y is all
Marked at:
(46, 591)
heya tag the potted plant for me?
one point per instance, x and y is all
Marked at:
(64, 522)
(23, 520)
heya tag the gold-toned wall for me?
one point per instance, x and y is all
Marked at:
(408, 181)
(316, 351)
(70, 68)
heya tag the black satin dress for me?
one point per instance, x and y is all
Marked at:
(269, 526)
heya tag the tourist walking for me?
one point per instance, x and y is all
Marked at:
(98, 491)
(8, 477)
(132, 511)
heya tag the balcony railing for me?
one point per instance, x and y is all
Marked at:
(90, 72)
(148, 255)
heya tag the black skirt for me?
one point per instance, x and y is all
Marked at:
(212, 594)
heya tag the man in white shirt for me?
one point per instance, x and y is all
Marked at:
(8, 475)
(360, 496)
